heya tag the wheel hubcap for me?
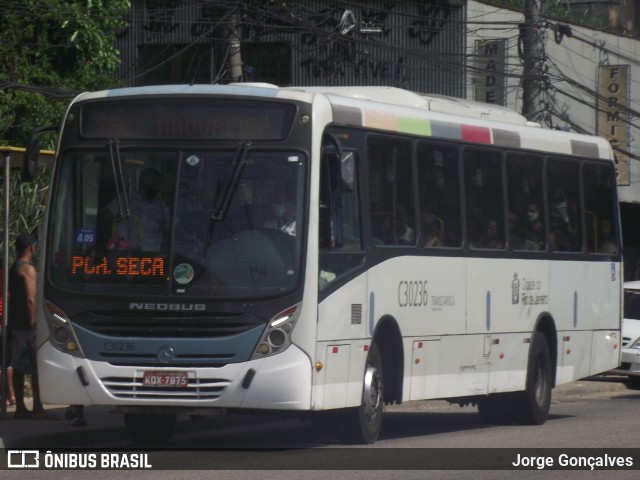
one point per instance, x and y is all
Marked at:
(372, 396)
(541, 383)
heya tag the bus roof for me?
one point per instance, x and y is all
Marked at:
(398, 110)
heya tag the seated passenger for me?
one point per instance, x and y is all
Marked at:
(535, 232)
(489, 237)
(404, 234)
(516, 240)
(606, 240)
(431, 230)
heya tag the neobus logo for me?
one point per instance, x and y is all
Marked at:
(173, 307)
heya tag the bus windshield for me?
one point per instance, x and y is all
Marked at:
(214, 223)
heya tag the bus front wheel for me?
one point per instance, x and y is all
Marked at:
(150, 430)
(363, 423)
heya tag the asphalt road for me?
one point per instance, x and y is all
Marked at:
(595, 414)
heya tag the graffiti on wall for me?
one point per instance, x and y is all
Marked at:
(371, 43)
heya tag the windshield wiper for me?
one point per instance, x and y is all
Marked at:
(118, 175)
(228, 188)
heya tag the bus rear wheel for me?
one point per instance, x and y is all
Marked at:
(531, 406)
(363, 423)
(150, 430)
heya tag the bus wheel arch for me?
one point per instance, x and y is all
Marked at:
(531, 405)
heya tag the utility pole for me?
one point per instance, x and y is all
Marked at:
(235, 57)
(531, 54)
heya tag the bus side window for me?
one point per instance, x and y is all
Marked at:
(563, 200)
(484, 199)
(599, 183)
(391, 199)
(439, 193)
(527, 229)
(339, 217)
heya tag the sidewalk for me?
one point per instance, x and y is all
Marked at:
(103, 425)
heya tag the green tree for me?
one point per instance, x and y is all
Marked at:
(26, 207)
(50, 50)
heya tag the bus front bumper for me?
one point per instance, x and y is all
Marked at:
(279, 382)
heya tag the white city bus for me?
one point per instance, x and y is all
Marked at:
(325, 250)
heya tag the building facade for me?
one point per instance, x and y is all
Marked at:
(587, 81)
(415, 45)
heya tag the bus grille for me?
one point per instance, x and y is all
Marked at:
(128, 388)
(156, 326)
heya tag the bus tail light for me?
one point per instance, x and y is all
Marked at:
(61, 335)
(277, 337)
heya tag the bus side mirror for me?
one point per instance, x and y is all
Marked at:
(31, 154)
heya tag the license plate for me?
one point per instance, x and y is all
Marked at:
(165, 379)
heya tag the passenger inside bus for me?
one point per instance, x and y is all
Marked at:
(606, 240)
(432, 230)
(404, 234)
(535, 231)
(517, 239)
(147, 227)
(490, 237)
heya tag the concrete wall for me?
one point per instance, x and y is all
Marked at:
(572, 65)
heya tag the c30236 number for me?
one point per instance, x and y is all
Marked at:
(413, 293)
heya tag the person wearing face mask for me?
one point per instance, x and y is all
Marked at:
(535, 230)
(282, 214)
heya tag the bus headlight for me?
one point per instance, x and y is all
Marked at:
(61, 335)
(277, 337)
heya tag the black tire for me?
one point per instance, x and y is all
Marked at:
(150, 430)
(531, 407)
(632, 383)
(363, 424)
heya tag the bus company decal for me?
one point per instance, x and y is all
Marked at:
(528, 291)
(439, 302)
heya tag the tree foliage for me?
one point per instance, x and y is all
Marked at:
(52, 49)
(26, 207)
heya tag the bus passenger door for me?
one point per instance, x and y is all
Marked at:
(342, 329)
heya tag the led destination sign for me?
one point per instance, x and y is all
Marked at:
(189, 118)
(125, 266)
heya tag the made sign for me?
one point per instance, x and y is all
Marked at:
(490, 65)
